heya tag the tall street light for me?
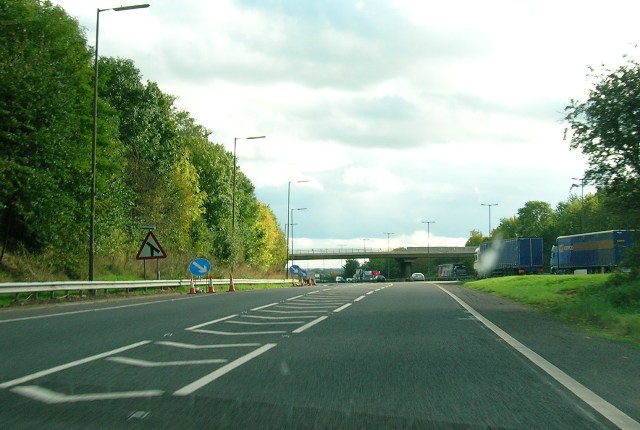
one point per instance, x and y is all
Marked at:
(295, 209)
(233, 205)
(287, 226)
(364, 245)
(92, 216)
(489, 206)
(388, 249)
(428, 223)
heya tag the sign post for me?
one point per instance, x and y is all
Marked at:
(200, 267)
(151, 250)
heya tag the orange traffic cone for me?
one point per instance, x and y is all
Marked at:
(231, 286)
(211, 290)
(192, 289)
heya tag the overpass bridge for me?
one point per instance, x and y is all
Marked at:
(404, 256)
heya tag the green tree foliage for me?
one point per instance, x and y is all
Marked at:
(606, 128)
(266, 249)
(350, 267)
(475, 238)
(155, 164)
(45, 134)
(389, 267)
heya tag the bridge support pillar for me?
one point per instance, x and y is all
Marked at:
(405, 266)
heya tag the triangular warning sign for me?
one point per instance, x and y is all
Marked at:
(150, 248)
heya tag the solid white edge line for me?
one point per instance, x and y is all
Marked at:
(212, 322)
(606, 409)
(343, 307)
(84, 311)
(207, 379)
(310, 324)
(69, 365)
(264, 307)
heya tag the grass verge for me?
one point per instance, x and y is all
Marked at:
(607, 305)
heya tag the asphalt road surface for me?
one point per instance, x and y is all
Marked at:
(403, 355)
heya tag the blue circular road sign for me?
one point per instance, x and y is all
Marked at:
(199, 267)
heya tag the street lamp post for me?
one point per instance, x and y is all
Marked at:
(295, 209)
(428, 223)
(233, 206)
(388, 249)
(287, 226)
(489, 206)
(92, 215)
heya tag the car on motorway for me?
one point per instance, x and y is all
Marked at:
(417, 276)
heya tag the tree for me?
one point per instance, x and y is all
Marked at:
(606, 128)
(45, 136)
(475, 238)
(535, 219)
(350, 267)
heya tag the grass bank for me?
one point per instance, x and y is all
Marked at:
(607, 305)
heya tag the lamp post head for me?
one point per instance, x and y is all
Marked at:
(135, 6)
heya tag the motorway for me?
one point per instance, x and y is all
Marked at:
(388, 355)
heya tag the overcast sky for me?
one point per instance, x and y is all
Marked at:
(395, 111)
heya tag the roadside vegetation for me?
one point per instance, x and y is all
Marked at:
(607, 305)
(156, 166)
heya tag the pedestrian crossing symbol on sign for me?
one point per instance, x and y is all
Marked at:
(151, 248)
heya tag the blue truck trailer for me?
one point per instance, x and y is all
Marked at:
(519, 256)
(596, 252)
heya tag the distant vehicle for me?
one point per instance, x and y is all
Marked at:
(351, 280)
(452, 271)
(519, 256)
(417, 276)
(339, 279)
(379, 278)
(600, 251)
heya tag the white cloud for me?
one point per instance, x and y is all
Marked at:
(395, 111)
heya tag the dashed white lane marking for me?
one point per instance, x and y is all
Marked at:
(212, 322)
(145, 363)
(310, 324)
(370, 292)
(359, 298)
(69, 365)
(264, 307)
(296, 297)
(47, 396)
(605, 408)
(343, 307)
(196, 385)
